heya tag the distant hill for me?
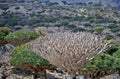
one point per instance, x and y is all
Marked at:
(104, 2)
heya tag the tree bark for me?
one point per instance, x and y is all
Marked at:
(41, 75)
(70, 76)
(35, 75)
(74, 77)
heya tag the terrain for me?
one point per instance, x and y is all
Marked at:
(59, 16)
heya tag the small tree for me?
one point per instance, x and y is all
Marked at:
(4, 31)
(21, 37)
(100, 66)
(99, 29)
(69, 51)
(24, 58)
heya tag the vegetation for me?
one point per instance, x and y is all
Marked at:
(103, 62)
(21, 56)
(108, 37)
(78, 29)
(92, 17)
(70, 53)
(99, 28)
(21, 37)
(4, 31)
(117, 53)
(24, 58)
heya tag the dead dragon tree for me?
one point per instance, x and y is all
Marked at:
(69, 51)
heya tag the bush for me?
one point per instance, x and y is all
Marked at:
(115, 29)
(103, 61)
(112, 26)
(117, 53)
(21, 37)
(33, 21)
(64, 23)
(87, 24)
(2, 23)
(108, 37)
(99, 28)
(112, 49)
(78, 29)
(21, 56)
(77, 18)
(71, 26)
(3, 32)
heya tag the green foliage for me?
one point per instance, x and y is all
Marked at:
(2, 23)
(78, 29)
(13, 20)
(78, 18)
(112, 49)
(87, 24)
(108, 37)
(33, 21)
(3, 32)
(72, 26)
(103, 61)
(117, 53)
(17, 7)
(91, 30)
(21, 55)
(22, 35)
(4, 6)
(64, 23)
(112, 26)
(115, 29)
(99, 28)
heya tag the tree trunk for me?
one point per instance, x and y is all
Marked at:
(70, 76)
(75, 77)
(43, 74)
(35, 75)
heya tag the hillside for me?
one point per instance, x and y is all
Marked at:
(34, 34)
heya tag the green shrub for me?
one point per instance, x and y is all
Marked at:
(64, 23)
(2, 23)
(112, 49)
(77, 18)
(21, 55)
(115, 30)
(71, 26)
(112, 26)
(98, 28)
(4, 31)
(22, 34)
(103, 61)
(33, 21)
(91, 30)
(21, 37)
(117, 53)
(108, 37)
(78, 29)
(87, 24)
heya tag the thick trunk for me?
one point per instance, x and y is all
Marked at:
(76, 77)
(70, 76)
(35, 75)
(41, 75)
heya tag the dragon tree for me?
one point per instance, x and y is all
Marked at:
(69, 51)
